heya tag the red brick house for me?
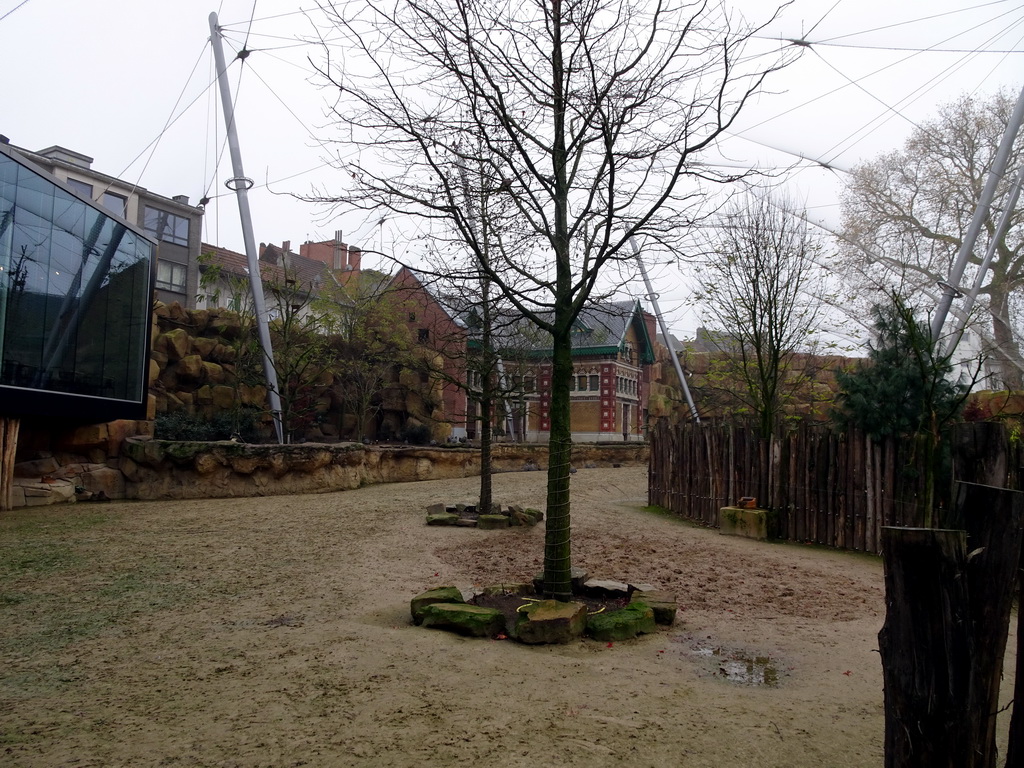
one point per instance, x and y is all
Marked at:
(613, 354)
(443, 339)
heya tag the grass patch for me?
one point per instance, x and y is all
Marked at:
(658, 511)
(59, 588)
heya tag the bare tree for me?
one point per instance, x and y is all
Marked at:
(589, 115)
(761, 289)
(905, 214)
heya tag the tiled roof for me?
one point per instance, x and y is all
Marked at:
(307, 272)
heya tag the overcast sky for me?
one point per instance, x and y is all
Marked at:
(128, 82)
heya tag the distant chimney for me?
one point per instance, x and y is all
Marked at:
(183, 199)
(286, 246)
(340, 255)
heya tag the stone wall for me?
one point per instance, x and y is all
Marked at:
(148, 469)
(192, 362)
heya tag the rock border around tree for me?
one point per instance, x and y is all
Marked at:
(468, 516)
(537, 621)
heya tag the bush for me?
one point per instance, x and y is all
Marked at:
(416, 434)
(221, 426)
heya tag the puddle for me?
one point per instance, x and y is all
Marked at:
(738, 666)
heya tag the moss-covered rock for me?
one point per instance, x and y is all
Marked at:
(550, 621)
(623, 624)
(472, 620)
(442, 518)
(446, 594)
(663, 604)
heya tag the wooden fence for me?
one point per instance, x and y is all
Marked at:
(823, 486)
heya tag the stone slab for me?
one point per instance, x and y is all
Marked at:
(471, 620)
(445, 594)
(748, 523)
(551, 621)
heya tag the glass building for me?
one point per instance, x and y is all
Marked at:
(76, 285)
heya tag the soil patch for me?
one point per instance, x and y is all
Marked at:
(276, 632)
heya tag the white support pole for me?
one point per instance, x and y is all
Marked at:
(664, 330)
(979, 280)
(240, 184)
(1002, 158)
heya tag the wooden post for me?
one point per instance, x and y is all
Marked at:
(926, 646)
(8, 449)
(948, 600)
(994, 518)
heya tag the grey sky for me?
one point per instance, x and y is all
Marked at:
(105, 77)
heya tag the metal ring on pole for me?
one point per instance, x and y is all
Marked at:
(956, 292)
(239, 182)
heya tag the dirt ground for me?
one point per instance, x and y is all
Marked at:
(276, 632)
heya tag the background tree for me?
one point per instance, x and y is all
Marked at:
(904, 389)
(300, 320)
(590, 114)
(905, 214)
(369, 339)
(760, 287)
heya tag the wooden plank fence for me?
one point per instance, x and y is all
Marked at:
(824, 486)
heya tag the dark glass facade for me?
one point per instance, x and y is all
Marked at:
(75, 294)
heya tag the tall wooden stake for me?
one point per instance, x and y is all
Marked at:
(9, 428)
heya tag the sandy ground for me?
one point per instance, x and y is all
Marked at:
(276, 632)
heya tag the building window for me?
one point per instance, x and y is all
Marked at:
(85, 190)
(530, 384)
(582, 386)
(116, 204)
(594, 385)
(170, 276)
(166, 227)
(423, 335)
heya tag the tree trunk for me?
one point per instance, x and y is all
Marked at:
(486, 407)
(1006, 352)
(9, 428)
(557, 534)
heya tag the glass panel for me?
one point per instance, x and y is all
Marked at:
(74, 283)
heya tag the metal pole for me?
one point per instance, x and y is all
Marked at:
(664, 330)
(972, 295)
(949, 288)
(240, 184)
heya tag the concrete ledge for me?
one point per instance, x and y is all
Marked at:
(748, 523)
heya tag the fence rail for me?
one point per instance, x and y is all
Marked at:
(828, 487)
